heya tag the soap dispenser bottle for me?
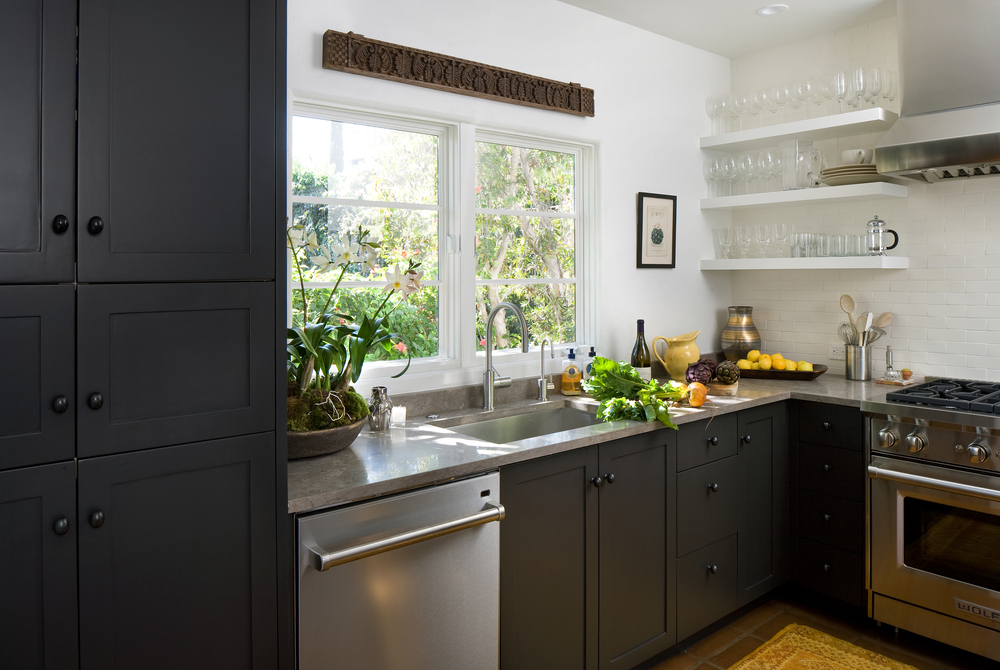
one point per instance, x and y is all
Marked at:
(588, 365)
(571, 376)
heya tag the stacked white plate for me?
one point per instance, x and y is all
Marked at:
(851, 174)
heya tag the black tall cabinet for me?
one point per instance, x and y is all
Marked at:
(141, 308)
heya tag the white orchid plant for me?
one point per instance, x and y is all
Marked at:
(327, 352)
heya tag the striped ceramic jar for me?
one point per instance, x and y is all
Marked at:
(740, 334)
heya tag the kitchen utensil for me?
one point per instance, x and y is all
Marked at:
(847, 333)
(876, 231)
(800, 164)
(890, 374)
(859, 325)
(876, 333)
(848, 305)
(883, 320)
(858, 361)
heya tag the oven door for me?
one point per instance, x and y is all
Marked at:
(935, 539)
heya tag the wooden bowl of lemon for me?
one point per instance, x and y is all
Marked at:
(775, 366)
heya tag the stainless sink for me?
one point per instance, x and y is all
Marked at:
(526, 425)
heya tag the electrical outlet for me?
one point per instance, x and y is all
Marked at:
(836, 352)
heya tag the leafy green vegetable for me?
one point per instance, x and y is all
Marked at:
(624, 395)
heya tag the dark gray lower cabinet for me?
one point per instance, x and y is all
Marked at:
(38, 621)
(567, 514)
(176, 557)
(706, 586)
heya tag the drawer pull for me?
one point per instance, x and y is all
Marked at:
(714, 441)
(714, 569)
(60, 224)
(610, 478)
(827, 425)
(95, 225)
(827, 467)
(713, 487)
(596, 481)
(826, 517)
(826, 567)
(60, 404)
(97, 519)
(746, 438)
(61, 526)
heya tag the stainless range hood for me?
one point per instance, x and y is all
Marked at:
(949, 125)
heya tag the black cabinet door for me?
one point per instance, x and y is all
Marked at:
(36, 374)
(177, 557)
(706, 586)
(176, 140)
(37, 140)
(173, 363)
(634, 614)
(763, 493)
(38, 623)
(548, 563)
(707, 504)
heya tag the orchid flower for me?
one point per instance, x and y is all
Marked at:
(295, 237)
(370, 260)
(322, 262)
(345, 254)
(312, 242)
(396, 281)
(413, 281)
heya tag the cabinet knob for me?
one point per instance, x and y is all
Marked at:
(826, 517)
(746, 438)
(596, 481)
(610, 478)
(713, 487)
(827, 467)
(97, 519)
(714, 441)
(95, 400)
(61, 526)
(95, 225)
(826, 567)
(714, 569)
(60, 404)
(60, 224)
(827, 425)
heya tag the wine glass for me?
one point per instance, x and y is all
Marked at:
(761, 239)
(775, 167)
(724, 236)
(720, 108)
(873, 84)
(727, 171)
(862, 85)
(798, 94)
(743, 240)
(841, 85)
(888, 89)
(853, 98)
(781, 94)
(779, 235)
(744, 167)
(758, 101)
(740, 103)
(818, 86)
(714, 173)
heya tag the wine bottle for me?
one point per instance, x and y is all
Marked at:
(640, 353)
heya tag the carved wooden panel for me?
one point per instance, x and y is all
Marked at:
(349, 52)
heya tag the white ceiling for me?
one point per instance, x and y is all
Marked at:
(733, 28)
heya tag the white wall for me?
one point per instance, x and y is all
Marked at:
(946, 306)
(649, 100)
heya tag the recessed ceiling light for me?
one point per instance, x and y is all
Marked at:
(771, 9)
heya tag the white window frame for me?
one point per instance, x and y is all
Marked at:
(458, 363)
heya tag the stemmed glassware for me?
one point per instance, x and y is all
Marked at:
(761, 239)
(744, 167)
(873, 84)
(743, 240)
(779, 235)
(781, 94)
(727, 171)
(724, 236)
(740, 104)
(758, 101)
(888, 89)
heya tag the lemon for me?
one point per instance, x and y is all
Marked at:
(755, 365)
(743, 364)
(777, 357)
(805, 366)
(764, 361)
(777, 363)
(753, 355)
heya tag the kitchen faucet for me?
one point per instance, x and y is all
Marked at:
(545, 383)
(492, 380)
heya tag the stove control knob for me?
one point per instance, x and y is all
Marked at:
(887, 439)
(915, 443)
(978, 453)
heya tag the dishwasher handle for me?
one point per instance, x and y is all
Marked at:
(322, 560)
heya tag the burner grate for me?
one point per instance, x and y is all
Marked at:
(974, 396)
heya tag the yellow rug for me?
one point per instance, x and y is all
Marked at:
(802, 648)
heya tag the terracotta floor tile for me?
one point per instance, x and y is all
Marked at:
(714, 643)
(682, 661)
(735, 652)
(756, 617)
(918, 646)
(707, 666)
(845, 628)
(896, 654)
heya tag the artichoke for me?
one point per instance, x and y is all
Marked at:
(727, 372)
(699, 372)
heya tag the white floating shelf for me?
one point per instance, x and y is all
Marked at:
(822, 128)
(876, 189)
(815, 263)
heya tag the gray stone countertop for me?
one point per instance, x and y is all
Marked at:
(422, 452)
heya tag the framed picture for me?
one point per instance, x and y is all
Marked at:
(657, 231)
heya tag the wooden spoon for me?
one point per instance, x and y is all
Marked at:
(847, 304)
(883, 320)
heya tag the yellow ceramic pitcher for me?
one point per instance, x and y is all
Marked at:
(681, 351)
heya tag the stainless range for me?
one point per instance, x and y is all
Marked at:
(933, 545)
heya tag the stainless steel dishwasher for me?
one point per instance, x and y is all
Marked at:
(410, 581)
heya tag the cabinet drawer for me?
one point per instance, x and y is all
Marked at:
(831, 471)
(706, 504)
(832, 425)
(833, 521)
(704, 597)
(706, 441)
(831, 571)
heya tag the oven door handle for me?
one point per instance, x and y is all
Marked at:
(932, 483)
